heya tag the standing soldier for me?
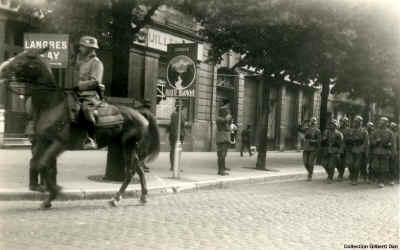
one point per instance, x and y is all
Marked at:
(88, 77)
(394, 165)
(223, 120)
(382, 145)
(371, 174)
(332, 141)
(359, 150)
(346, 159)
(312, 140)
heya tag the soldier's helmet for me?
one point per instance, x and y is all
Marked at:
(313, 120)
(358, 118)
(333, 122)
(370, 125)
(344, 120)
(393, 125)
(89, 41)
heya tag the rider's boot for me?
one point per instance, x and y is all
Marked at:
(90, 142)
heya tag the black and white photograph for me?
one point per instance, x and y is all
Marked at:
(199, 124)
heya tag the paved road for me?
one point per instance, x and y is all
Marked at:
(289, 215)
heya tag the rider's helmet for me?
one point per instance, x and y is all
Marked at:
(89, 41)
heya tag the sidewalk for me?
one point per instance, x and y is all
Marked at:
(80, 173)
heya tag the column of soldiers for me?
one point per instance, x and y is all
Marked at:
(368, 153)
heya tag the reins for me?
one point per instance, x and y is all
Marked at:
(13, 88)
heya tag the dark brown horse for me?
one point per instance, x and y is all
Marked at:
(56, 133)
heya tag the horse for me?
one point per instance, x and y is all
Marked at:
(55, 132)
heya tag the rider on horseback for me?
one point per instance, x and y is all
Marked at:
(88, 76)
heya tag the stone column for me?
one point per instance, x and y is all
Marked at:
(282, 118)
(151, 62)
(299, 110)
(136, 73)
(2, 37)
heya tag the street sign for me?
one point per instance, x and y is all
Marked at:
(181, 72)
(58, 45)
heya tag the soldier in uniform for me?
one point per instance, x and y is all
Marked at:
(88, 77)
(332, 141)
(223, 121)
(359, 149)
(371, 176)
(394, 164)
(346, 159)
(312, 140)
(382, 146)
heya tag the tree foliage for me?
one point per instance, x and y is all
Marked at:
(371, 70)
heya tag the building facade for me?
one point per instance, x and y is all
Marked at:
(290, 103)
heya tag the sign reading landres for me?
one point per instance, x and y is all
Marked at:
(58, 45)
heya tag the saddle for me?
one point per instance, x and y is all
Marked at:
(106, 115)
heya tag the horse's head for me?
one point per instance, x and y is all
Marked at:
(28, 66)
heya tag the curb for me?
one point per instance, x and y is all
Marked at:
(80, 194)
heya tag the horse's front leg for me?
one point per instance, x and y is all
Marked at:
(48, 168)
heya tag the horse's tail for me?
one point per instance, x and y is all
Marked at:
(154, 140)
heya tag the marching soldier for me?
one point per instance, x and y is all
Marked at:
(359, 149)
(223, 120)
(312, 140)
(394, 165)
(371, 174)
(346, 159)
(332, 141)
(382, 145)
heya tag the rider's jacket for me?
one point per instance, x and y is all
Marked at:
(88, 74)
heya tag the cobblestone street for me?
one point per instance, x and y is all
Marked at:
(286, 215)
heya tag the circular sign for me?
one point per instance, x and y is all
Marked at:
(181, 72)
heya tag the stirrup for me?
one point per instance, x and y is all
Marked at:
(91, 144)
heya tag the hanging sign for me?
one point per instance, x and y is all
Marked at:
(181, 70)
(58, 45)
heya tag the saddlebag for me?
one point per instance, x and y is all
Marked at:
(107, 115)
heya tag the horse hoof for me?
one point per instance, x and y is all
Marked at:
(45, 205)
(112, 203)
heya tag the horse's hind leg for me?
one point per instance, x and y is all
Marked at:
(143, 184)
(129, 172)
